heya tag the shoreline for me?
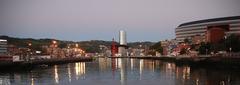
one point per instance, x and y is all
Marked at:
(29, 64)
(210, 62)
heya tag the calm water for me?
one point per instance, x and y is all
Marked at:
(106, 71)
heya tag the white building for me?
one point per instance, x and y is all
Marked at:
(122, 49)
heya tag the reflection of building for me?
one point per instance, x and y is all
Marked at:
(123, 71)
(213, 29)
(80, 69)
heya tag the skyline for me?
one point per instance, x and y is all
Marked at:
(81, 20)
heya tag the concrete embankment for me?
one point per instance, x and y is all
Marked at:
(216, 61)
(32, 63)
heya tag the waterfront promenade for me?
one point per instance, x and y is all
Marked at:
(206, 61)
(54, 61)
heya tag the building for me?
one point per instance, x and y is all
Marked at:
(122, 48)
(114, 48)
(208, 30)
(4, 57)
(3, 47)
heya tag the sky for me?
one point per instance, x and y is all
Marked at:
(81, 20)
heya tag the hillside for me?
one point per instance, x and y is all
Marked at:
(91, 46)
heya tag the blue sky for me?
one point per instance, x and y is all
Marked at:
(79, 20)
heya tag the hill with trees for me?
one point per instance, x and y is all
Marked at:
(91, 46)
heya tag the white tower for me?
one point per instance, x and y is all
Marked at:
(122, 37)
(122, 49)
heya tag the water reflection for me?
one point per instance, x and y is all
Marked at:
(140, 69)
(80, 70)
(4, 80)
(121, 71)
(69, 73)
(56, 74)
(32, 81)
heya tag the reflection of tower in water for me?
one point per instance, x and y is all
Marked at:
(123, 71)
(141, 69)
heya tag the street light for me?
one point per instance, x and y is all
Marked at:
(29, 44)
(54, 43)
(29, 51)
(53, 46)
(230, 49)
(76, 45)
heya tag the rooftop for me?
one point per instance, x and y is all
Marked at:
(210, 20)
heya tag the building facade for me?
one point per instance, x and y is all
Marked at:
(3, 47)
(209, 30)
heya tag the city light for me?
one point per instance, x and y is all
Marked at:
(54, 42)
(76, 45)
(29, 44)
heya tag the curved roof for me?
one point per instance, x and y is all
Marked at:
(211, 20)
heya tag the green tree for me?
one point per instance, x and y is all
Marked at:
(157, 47)
(204, 48)
(233, 42)
(183, 51)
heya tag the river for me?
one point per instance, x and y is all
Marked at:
(121, 71)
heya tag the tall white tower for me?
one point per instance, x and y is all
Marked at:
(122, 49)
(122, 37)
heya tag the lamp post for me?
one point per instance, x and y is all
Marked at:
(206, 51)
(76, 50)
(76, 45)
(29, 51)
(225, 40)
(230, 49)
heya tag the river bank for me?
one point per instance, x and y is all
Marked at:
(41, 62)
(217, 61)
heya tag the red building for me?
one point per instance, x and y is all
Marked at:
(216, 33)
(114, 48)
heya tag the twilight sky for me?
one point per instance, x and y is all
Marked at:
(78, 20)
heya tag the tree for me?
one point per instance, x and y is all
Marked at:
(157, 47)
(183, 51)
(204, 48)
(232, 42)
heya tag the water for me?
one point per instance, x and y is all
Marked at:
(106, 71)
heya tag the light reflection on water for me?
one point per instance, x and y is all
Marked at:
(121, 71)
